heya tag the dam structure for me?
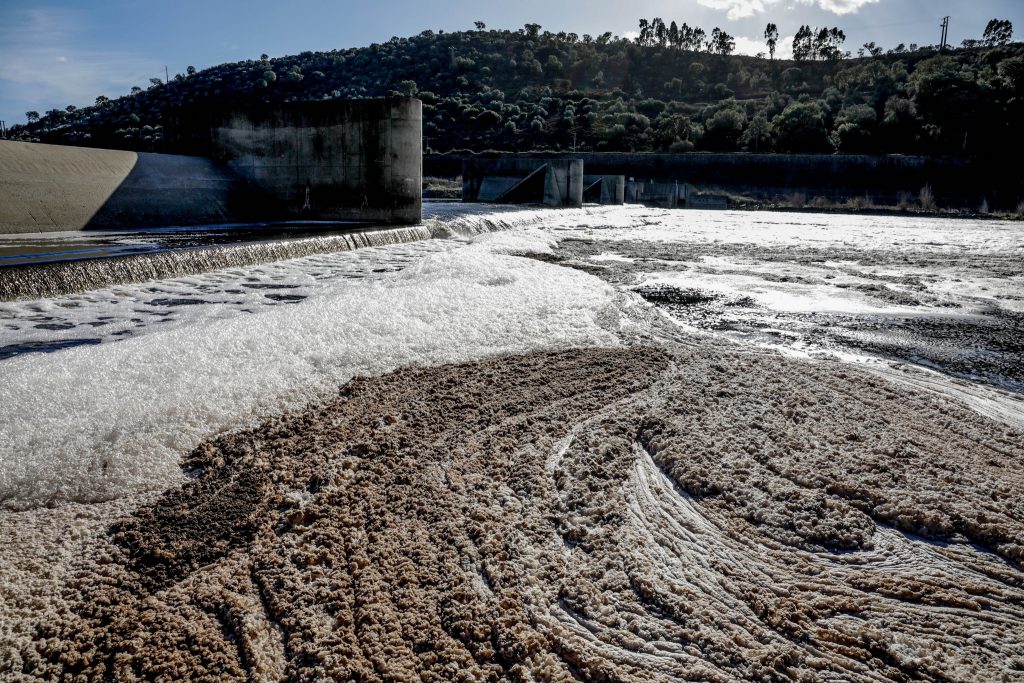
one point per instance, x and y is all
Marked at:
(356, 161)
(604, 189)
(523, 180)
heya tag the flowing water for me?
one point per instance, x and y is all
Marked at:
(222, 345)
(612, 442)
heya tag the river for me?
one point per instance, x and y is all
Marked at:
(661, 394)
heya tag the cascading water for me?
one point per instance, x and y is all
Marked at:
(59, 277)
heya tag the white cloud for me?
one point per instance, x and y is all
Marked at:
(736, 9)
(44, 67)
(841, 6)
(754, 46)
(740, 9)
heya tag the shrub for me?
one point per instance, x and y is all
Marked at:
(797, 200)
(927, 198)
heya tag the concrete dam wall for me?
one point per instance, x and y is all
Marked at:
(45, 188)
(359, 160)
(341, 161)
(954, 181)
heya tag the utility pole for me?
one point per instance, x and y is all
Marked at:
(3, 129)
(167, 75)
(945, 33)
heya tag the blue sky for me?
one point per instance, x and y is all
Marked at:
(60, 52)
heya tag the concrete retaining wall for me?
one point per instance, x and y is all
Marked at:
(357, 160)
(665, 195)
(45, 188)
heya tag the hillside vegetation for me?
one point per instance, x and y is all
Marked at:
(531, 89)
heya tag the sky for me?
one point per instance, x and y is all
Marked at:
(59, 52)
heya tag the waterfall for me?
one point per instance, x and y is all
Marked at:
(54, 279)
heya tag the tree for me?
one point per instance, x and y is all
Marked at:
(803, 44)
(899, 124)
(723, 130)
(818, 43)
(949, 100)
(673, 129)
(758, 135)
(102, 101)
(190, 70)
(643, 37)
(480, 26)
(998, 32)
(32, 116)
(1012, 71)
(691, 39)
(659, 31)
(855, 129)
(721, 43)
(873, 50)
(801, 128)
(771, 37)
(827, 42)
(154, 82)
(532, 31)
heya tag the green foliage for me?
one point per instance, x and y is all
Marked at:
(533, 89)
(855, 129)
(801, 128)
(721, 43)
(771, 38)
(758, 135)
(998, 32)
(818, 43)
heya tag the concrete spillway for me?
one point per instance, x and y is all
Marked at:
(46, 188)
(338, 161)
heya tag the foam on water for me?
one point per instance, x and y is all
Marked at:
(96, 422)
(145, 371)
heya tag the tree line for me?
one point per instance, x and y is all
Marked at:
(673, 88)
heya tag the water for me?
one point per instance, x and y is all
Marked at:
(104, 388)
(945, 294)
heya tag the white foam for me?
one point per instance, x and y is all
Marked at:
(97, 422)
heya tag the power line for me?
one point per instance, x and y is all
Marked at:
(864, 27)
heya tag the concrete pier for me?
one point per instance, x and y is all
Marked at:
(552, 182)
(358, 160)
(604, 189)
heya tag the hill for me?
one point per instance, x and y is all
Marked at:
(531, 90)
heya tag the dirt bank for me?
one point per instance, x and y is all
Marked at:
(635, 515)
